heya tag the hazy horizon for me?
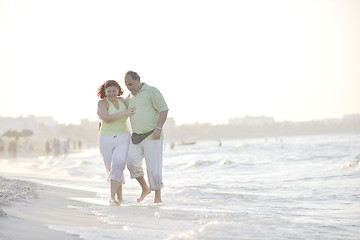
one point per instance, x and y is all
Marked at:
(212, 60)
(176, 121)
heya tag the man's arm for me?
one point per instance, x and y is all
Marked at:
(160, 124)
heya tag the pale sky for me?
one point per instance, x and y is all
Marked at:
(212, 60)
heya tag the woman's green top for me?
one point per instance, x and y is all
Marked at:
(117, 126)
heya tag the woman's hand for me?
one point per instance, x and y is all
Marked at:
(130, 111)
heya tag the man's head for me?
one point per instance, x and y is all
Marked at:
(132, 82)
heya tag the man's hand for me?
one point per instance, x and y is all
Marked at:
(156, 134)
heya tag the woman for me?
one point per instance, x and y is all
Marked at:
(114, 135)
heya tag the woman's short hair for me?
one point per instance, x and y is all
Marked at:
(108, 83)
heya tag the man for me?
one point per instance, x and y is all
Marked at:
(151, 114)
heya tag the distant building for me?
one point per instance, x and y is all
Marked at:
(252, 121)
(47, 121)
(331, 121)
(30, 122)
(351, 118)
(86, 123)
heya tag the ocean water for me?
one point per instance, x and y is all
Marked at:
(304, 187)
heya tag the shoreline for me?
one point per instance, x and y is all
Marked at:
(32, 209)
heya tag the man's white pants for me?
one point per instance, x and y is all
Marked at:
(114, 150)
(152, 151)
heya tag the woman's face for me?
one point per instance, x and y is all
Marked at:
(111, 92)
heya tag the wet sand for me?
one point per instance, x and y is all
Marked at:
(28, 209)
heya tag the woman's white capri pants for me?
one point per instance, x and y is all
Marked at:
(114, 150)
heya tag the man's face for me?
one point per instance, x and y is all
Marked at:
(134, 86)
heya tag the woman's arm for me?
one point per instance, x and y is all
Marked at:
(106, 117)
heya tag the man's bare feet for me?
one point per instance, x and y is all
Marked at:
(157, 198)
(144, 194)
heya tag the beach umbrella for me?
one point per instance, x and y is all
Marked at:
(26, 133)
(10, 133)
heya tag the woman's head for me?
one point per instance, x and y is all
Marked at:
(109, 85)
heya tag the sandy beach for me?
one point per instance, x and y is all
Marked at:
(29, 210)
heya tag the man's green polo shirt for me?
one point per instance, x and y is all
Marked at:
(149, 102)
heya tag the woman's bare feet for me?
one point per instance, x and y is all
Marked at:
(119, 194)
(120, 199)
(113, 201)
(115, 188)
(144, 193)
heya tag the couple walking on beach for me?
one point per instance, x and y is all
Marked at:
(147, 110)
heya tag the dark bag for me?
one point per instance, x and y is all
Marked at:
(137, 138)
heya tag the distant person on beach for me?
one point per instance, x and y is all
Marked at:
(12, 149)
(114, 135)
(80, 145)
(2, 146)
(47, 148)
(147, 138)
(56, 147)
